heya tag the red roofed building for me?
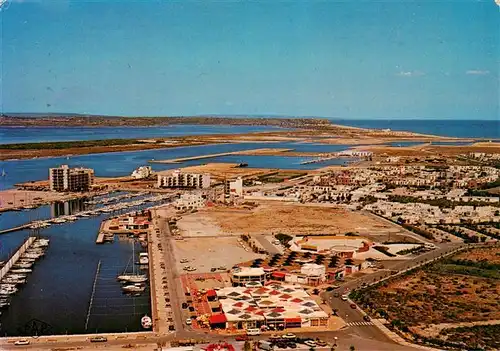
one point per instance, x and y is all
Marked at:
(217, 321)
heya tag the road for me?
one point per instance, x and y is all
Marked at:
(176, 295)
(267, 245)
(343, 338)
(354, 316)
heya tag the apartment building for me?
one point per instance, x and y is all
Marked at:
(70, 179)
(180, 179)
(234, 187)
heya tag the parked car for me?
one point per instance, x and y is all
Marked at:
(22, 342)
(292, 345)
(99, 339)
(242, 338)
(353, 306)
(344, 297)
(253, 331)
(264, 345)
(310, 343)
(189, 321)
(289, 336)
(321, 343)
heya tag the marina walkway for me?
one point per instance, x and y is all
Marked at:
(12, 261)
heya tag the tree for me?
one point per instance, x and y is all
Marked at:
(352, 348)
(247, 346)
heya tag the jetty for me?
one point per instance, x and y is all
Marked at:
(12, 261)
(14, 229)
(253, 152)
(199, 157)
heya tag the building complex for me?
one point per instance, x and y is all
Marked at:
(178, 179)
(65, 178)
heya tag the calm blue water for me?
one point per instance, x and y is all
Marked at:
(452, 128)
(116, 164)
(12, 135)
(59, 288)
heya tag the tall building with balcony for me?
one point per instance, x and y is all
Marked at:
(233, 187)
(179, 179)
(70, 179)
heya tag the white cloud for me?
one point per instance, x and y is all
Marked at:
(477, 72)
(411, 74)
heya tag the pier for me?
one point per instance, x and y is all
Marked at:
(199, 157)
(254, 152)
(15, 229)
(25, 246)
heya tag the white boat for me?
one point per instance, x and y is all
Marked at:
(146, 322)
(21, 270)
(23, 265)
(133, 278)
(13, 281)
(143, 258)
(133, 288)
(8, 289)
(41, 243)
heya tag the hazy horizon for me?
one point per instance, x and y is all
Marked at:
(343, 60)
(70, 114)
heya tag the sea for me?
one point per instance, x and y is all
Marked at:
(57, 297)
(15, 135)
(451, 128)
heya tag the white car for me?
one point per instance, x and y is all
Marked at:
(189, 321)
(22, 342)
(344, 297)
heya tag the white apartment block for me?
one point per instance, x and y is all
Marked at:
(179, 179)
(70, 179)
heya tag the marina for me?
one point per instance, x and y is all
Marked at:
(85, 214)
(71, 267)
(14, 273)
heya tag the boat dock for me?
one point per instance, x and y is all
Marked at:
(14, 229)
(25, 246)
(85, 214)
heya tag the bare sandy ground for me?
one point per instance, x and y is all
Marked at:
(223, 170)
(196, 225)
(205, 253)
(290, 218)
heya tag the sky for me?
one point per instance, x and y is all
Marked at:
(392, 59)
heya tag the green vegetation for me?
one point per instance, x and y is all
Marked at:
(460, 233)
(491, 185)
(278, 177)
(284, 239)
(384, 250)
(418, 231)
(478, 336)
(69, 144)
(413, 250)
(466, 267)
(467, 270)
